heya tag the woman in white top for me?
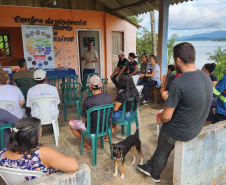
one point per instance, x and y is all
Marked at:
(11, 93)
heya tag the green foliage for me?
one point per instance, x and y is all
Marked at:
(170, 46)
(144, 43)
(135, 19)
(219, 56)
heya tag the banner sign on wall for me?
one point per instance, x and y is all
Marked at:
(38, 46)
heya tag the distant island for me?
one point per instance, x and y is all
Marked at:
(220, 40)
(205, 36)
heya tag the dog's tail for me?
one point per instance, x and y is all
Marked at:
(137, 133)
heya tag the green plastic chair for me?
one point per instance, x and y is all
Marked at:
(69, 78)
(52, 80)
(85, 80)
(2, 128)
(103, 88)
(107, 111)
(130, 121)
(24, 84)
(71, 93)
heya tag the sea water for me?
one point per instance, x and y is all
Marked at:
(203, 47)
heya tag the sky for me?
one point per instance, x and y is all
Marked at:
(193, 17)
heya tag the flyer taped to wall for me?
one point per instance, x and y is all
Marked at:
(38, 46)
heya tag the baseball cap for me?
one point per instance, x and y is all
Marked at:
(95, 81)
(39, 74)
(120, 53)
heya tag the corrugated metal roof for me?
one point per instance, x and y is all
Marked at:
(133, 7)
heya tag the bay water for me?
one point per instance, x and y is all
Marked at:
(203, 47)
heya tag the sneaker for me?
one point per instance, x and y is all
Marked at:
(144, 103)
(155, 178)
(144, 169)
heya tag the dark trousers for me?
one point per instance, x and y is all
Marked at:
(113, 79)
(147, 86)
(218, 118)
(140, 81)
(85, 72)
(159, 159)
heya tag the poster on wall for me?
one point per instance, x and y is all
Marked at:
(38, 46)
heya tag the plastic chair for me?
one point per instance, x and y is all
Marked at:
(69, 78)
(85, 80)
(24, 84)
(2, 128)
(103, 88)
(45, 114)
(52, 80)
(13, 176)
(136, 79)
(71, 93)
(130, 121)
(106, 111)
(4, 104)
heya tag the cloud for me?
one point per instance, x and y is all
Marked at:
(188, 18)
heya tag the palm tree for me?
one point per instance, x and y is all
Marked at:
(218, 55)
(170, 46)
(152, 18)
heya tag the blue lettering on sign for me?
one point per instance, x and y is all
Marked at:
(39, 47)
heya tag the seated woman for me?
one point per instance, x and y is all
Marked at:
(25, 152)
(133, 64)
(209, 68)
(151, 77)
(143, 67)
(11, 93)
(127, 91)
(7, 118)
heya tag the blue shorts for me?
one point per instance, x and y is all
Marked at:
(117, 116)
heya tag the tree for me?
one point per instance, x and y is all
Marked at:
(219, 56)
(170, 46)
(152, 18)
(135, 19)
(144, 43)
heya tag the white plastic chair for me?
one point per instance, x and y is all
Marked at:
(4, 104)
(45, 113)
(13, 176)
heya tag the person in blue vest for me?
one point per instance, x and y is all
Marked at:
(133, 64)
(219, 91)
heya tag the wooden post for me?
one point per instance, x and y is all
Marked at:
(163, 34)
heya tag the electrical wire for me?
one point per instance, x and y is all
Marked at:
(203, 17)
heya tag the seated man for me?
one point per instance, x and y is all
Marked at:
(97, 99)
(23, 72)
(122, 67)
(7, 118)
(40, 90)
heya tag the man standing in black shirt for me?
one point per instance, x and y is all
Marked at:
(122, 67)
(185, 109)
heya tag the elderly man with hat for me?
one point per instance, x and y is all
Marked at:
(40, 90)
(122, 67)
(98, 98)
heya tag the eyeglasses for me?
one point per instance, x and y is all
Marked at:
(90, 45)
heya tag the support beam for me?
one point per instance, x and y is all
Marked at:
(163, 34)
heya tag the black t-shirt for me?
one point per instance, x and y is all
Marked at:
(191, 96)
(125, 62)
(213, 78)
(93, 101)
(121, 98)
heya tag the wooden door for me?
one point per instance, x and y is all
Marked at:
(117, 45)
